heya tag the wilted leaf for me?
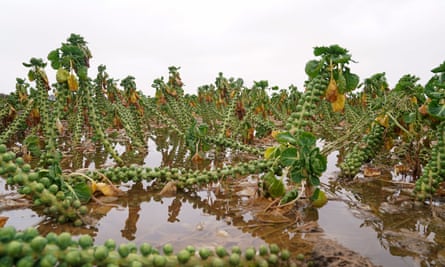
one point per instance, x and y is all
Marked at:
(3, 220)
(275, 187)
(332, 91)
(109, 189)
(371, 171)
(62, 75)
(197, 157)
(274, 133)
(270, 152)
(383, 120)
(339, 104)
(73, 84)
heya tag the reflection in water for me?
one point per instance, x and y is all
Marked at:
(392, 232)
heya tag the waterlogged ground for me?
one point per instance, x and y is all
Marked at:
(367, 222)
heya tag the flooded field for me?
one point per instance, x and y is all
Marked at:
(372, 217)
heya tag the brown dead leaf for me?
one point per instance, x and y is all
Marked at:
(371, 172)
(3, 220)
(169, 190)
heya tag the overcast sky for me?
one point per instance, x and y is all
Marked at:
(252, 40)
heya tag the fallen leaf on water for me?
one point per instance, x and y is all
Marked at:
(3, 220)
(108, 189)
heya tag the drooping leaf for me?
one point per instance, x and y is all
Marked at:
(339, 104)
(314, 180)
(435, 88)
(289, 196)
(313, 67)
(62, 75)
(332, 90)
(3, 220)
(73, 84)
(83, 192)
(383, 120)
(271, 152)
(274, 186)
(109, 189)
(289, 156)
(352, 81)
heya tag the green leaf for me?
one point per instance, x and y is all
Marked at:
(306, 139)
(409, 117)
(341, 83)
(32, 143)
(439, 69)
(315, 194)
(314, 180)
(53, 55)
(202, 130)
(313, 67)
(352, 81)
(289, 156)
(296, 175)
(286, 137)
(318, 162)
(436, 109)
(275, 187)
(289, 196)
(83, 192)
(331, 50)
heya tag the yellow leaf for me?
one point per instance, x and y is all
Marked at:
(108, 189)
(3, 220)
(339, 104)
(383, 120)
(93, 186)
(274, 133)
(269, 152)
(332, 91)
(73, 84)
(320, 201)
